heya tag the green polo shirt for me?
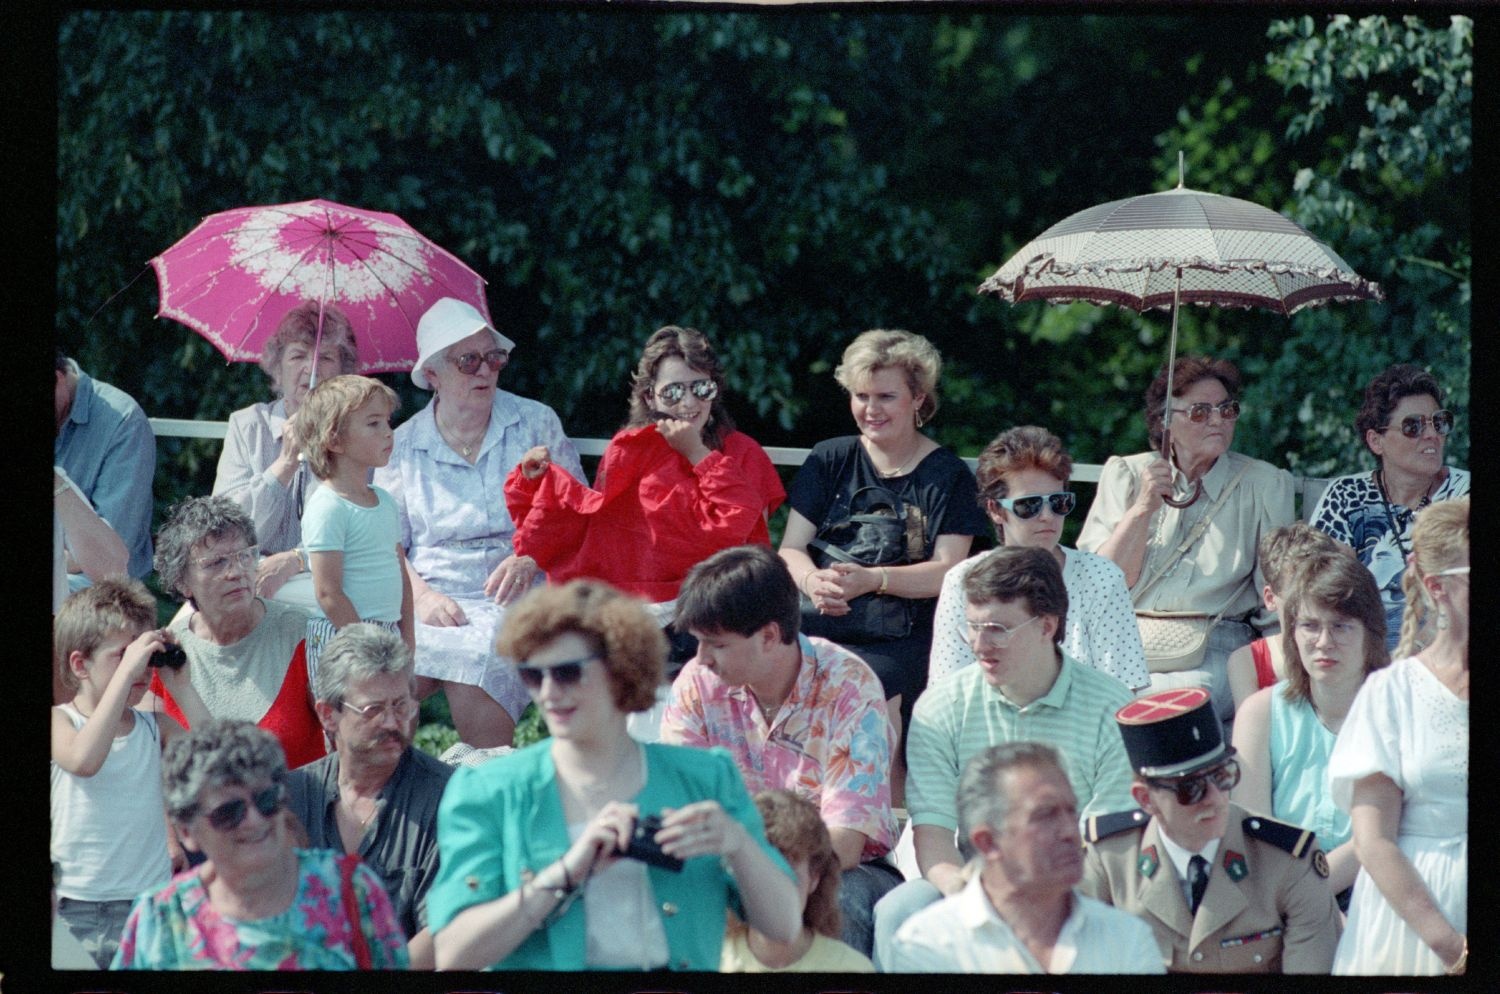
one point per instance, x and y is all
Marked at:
(962, 714)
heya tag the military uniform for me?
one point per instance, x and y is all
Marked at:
(1267, 908)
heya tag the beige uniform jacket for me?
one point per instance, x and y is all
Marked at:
(1266, 910)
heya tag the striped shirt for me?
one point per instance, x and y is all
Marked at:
(962, 714)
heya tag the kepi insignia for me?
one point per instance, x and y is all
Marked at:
(1234, 865)
(1147, 862)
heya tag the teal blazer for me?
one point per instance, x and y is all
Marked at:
(504, 819)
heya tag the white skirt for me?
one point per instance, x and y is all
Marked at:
(1377, 941)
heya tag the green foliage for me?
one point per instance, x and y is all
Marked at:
(782, 182)
(435, 739)
(530, 728)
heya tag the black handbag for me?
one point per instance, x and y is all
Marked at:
(874, 526)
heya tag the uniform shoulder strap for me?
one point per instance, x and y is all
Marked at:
(1103, 826)
(1283, 835)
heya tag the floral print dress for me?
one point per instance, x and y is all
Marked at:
(177, 928)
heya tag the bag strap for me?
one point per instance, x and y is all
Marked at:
(1192, 537)
(347, 863)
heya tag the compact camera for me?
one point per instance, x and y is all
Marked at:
(644, 847)
(171, 655)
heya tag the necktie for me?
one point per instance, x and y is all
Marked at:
(1197, 880)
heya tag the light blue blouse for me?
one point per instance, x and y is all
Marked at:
(1300, 746)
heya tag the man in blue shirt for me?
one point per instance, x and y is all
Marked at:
(106, 446)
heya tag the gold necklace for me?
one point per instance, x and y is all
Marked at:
(451, 436)
(910, 457)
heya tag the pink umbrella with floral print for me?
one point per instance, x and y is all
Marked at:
(236, 275)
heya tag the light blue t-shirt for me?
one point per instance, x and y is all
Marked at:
(367, 536)
(1300, 746)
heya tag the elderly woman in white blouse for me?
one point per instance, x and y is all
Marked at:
(1023, 487)
(447, 475)
(258, 464)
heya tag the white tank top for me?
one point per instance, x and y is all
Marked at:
(108, 830)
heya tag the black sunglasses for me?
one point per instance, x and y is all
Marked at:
(671, 394)
(1412, 426)
(1198, 413)
(227, 816)
(1061, 503)
(563, 674)
(468, 363)
(1191, 790)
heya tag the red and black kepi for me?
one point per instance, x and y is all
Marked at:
(1172, 733)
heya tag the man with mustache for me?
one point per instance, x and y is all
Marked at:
(375, 795)
(1225, 890)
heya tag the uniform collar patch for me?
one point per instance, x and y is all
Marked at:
(1147, 862)
(1234, 865)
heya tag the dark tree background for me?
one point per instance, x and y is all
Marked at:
(784, 180)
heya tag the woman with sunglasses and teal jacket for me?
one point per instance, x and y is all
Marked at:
(258, 903)
(590, 850)
(1023, 487)
(1191, 567)
(676, 484)
(1403, 424)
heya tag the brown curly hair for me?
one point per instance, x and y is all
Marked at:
(1016, 450)
(1386, 391)
(630, 644)
(692, 347)
(794, 826)
(1187, 370)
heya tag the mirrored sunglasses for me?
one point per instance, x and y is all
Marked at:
(672, 394)
(1060, 502)
(1198, 413)
(1414, 425)
(1191, 790)
(227, 816)
(371, 713)
(565, 674)
(468, 363)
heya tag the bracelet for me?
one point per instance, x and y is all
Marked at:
(306, 567)
(885, 580)
(803, 584)
(1462, 961)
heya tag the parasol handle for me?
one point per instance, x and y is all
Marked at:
(1166, 412)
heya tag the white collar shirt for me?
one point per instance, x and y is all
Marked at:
(1180, 858)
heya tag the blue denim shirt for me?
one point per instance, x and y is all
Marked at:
(107, 447)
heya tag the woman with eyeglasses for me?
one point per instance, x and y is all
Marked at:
(1192, 570)
(447, 474)
(257, 903)
(1400, 769)
(1285, 733)
(676, 484)
(1023, 488)
(247, 652)
(258, 464)
(590, 850)
(1403, 424)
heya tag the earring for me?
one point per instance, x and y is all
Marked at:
(1442, 622)
(920, 421)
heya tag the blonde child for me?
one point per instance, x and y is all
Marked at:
(794, 826)
(350, 529)
(1263, 662)
(109, 830)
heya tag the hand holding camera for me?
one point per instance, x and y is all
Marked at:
(644, 847)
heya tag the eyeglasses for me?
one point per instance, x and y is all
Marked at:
(1061, 503)
(1191, 790)
(1198, 413)
(564, 674)
(672, 394)
(402, 708)
(468, 363)
(1454, 571)
(1413, 425)
(998, 633)
(227, 816)
(247, 558)
(1340, 631)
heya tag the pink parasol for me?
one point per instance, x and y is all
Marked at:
(236, 275)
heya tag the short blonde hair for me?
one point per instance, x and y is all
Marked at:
(325, 416)
(630, 644)
(914, 356)
(94, 614)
